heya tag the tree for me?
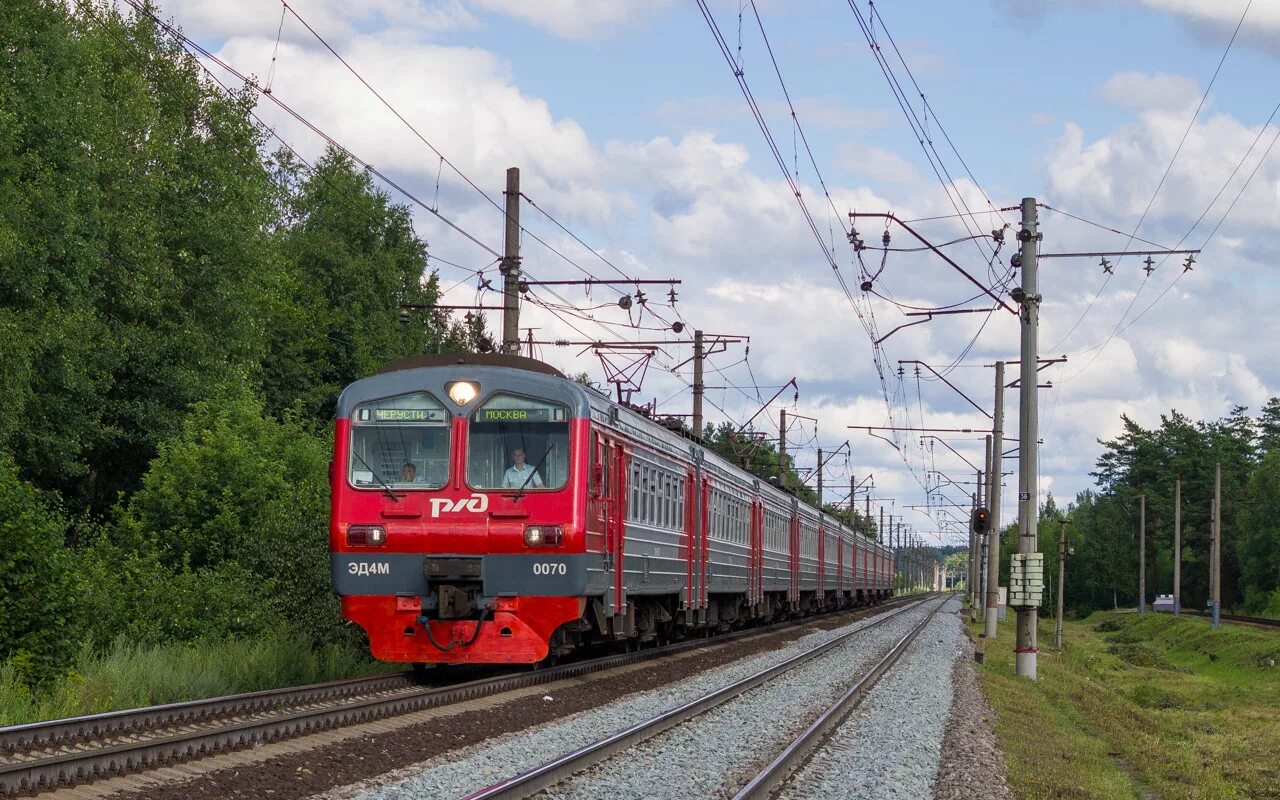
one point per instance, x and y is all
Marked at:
(37, 601)
(240, 498)
(134, 262)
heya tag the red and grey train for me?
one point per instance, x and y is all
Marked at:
(486, 509)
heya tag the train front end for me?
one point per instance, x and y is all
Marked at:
(456, 529)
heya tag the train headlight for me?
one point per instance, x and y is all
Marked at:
(366, 536)
(463, 392)
(543, 535)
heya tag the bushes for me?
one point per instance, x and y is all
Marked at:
(228, 534)
(36, 601)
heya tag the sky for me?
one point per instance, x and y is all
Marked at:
(630, 129)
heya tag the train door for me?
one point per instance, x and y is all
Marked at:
(839, 566)
(704, 547)
(597, 493)
(822, 562)
(615, 525)
(794, 556)
(755, 554)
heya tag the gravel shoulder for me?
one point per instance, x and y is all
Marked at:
(890, 745)
(972, 764)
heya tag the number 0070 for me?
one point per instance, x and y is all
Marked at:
(549, 568)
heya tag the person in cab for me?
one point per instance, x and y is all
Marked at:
(519, 474)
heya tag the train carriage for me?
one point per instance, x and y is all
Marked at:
(487, 509)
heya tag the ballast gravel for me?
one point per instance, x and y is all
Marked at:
(972, 764)
(461, 772)
(890, 746)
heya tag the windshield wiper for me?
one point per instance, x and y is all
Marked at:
(385, 486)
(520, 492)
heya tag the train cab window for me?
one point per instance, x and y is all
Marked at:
(400, 442)
(518, 443)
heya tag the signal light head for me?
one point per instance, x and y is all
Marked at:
(981, 520)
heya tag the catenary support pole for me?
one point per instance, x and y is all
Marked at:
(1062, 574)
(819, 480)
(782, 448)
(1029, 429)
(978, 598)
(993, 492)
(972, 588)
(1142, 555)
(1217, 544)
(1177, 547)
(697, 384)
(511, 267)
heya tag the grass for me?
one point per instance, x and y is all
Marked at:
(1150, 707)
(130, 676)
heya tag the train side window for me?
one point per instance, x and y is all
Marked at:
(633, 510)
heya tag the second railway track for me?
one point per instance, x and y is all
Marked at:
(577, 774)
(44, 755)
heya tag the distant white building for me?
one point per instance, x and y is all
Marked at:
(1164, 602)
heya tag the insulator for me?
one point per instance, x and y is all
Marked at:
(624, 302)
(885, 238)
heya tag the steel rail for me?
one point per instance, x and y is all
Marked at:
(1262, 622)
(809, 742)
(553, 772)
(273, 715)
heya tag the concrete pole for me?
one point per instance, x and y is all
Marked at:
(510, 267)
(1029, 429)
(782, 448)
(1062, 574)
(819, 480)
(993, 505)
(1142, 556)
(1216, 583)
(697, 384)
(1177, 547)
(972, 588)
(978, 596)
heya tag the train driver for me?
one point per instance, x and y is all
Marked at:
(409, 473)
(519, 472)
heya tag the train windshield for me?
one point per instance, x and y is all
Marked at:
(518, 443)
(400, 442)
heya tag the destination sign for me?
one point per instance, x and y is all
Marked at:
(408, 415)
(517, 415)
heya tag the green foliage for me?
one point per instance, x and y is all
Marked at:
(179, 314)
(1146, 463)
(133, 257)
(36, 601)
(127, 675)
(229, 530)
(351, 263)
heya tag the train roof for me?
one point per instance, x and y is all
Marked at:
(473, 359)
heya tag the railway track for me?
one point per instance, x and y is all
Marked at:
(45, 755)
(1261, 622)
(551, 773)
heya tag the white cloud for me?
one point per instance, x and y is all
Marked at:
(1159, 92)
